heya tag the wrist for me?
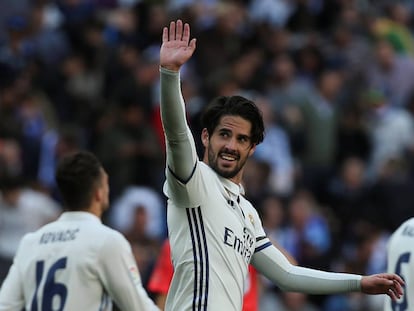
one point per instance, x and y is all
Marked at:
(170, 67)
(170, 72)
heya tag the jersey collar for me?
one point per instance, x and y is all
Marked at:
(236, 189)
(79, 216)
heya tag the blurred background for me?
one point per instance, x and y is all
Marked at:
(334, 79)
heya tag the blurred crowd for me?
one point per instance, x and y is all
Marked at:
(333, 78)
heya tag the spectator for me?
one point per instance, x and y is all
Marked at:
(391, 74)
(308, 237)
(130, 151)
(395, 28)
(283, 88)
(320, 117)
(275, 151)
(22, 210)
(349, 201)
(121, 216)
(390, 128)
(353, 135)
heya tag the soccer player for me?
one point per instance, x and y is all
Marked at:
(76, 262)
(213, 230)
(400, 255)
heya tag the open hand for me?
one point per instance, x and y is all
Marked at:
(383, 283)
(176, 48)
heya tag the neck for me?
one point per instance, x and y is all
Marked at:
(96, 210)
(236, 180)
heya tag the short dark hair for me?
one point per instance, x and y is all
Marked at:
(77, 176)
(237, 106)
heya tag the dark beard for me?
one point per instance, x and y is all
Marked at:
(212, 162)
(225, 174)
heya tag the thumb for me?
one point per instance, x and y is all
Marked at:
(193, 43)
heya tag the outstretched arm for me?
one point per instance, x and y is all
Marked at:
(176, 50)
(274, 265)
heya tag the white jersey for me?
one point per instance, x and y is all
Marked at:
(74, 263)
(401, 261)
(214, 231)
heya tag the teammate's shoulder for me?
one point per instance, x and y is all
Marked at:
(113, 241)
(46, 227)
(29, 237)
(406, 228)
(112, 234)
(33, 237)
(408, 222)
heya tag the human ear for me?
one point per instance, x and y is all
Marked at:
(204, 137)
(252, 150)
(98, 194)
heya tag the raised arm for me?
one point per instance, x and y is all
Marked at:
(176, 50)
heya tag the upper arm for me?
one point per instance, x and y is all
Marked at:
(191, 192)
(270, 260)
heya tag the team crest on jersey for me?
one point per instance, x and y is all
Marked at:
(251, 219)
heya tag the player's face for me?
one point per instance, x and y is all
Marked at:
(229, 147)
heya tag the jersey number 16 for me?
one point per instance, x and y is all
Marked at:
(51, 290)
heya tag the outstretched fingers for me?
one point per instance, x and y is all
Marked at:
(172, 31)
(395, 290)
(394, 293)
(186, 33)
(178, 30)
(398, 286)
(165, 34)
(398, 279)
